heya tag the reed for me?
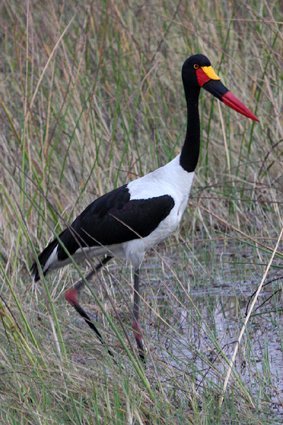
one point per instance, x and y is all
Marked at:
(90, 98)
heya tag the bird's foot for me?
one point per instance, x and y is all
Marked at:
(138, 337)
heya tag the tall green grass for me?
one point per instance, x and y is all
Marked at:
(91, 97)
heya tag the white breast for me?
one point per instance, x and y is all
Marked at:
(171, 180)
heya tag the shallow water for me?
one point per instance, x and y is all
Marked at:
(194, 306)
(208, 327)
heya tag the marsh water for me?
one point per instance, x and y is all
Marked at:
(204, 325)
(193, 308)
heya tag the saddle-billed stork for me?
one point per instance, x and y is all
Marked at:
(130, 220)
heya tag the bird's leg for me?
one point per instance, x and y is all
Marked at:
(71, 297)
(136, 324)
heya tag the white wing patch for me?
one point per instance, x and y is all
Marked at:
(52, 260)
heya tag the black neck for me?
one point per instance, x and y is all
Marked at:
(190, 151)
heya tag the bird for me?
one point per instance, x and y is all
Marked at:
(133, 218)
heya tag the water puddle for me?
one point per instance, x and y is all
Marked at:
(194, 306)
(208, 331)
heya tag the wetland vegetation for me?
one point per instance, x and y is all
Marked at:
(91, 97)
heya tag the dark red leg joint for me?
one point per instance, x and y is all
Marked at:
(137, 330)
(138, 337)
(71, 297)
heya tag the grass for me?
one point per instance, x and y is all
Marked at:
(91, 97)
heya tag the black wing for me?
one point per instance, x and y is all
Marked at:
(111, 219)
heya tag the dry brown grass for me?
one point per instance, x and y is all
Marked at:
(91, 97)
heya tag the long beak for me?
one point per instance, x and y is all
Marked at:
(211, 82)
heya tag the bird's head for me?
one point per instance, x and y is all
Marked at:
(197, 71)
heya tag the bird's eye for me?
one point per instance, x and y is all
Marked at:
(196, 66)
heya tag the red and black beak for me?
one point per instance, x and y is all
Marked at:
(211, 82)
